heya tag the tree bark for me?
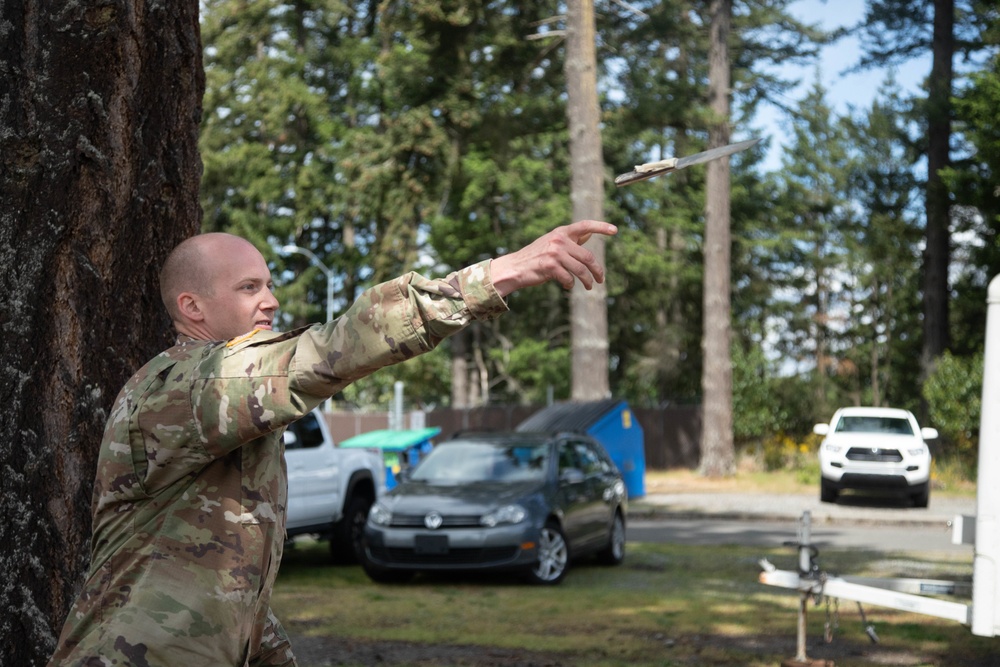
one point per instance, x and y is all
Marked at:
(99, 114)
(937, 252)
(717, 449)
(588, 309)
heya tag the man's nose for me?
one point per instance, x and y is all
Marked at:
(270, 302)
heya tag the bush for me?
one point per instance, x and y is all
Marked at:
(954, 393)
(784, 452)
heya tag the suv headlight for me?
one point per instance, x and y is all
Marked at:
(380, 515)
(833, 449)
(916, 451)
(506, 514)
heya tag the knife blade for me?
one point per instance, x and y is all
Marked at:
(649, 170)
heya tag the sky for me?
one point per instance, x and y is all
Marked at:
(842, 89)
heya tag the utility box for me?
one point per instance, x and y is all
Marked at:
(401, 448)
(610, 422)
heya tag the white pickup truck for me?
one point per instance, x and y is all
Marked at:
(330, 489)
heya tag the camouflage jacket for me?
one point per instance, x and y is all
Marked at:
(189, 499)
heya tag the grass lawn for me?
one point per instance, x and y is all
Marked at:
(666, 605)
(946, 478)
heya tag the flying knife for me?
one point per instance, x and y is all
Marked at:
(651, 169)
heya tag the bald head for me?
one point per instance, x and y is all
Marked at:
(189, 267)
(206, 277)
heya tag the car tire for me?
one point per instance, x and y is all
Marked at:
(614, 552)
(345, 540)
(553, 556)
(827, 492)
(922, 497)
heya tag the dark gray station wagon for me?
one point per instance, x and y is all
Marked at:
(524, 502)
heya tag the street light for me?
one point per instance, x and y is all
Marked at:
(286, 249)
(290, 248)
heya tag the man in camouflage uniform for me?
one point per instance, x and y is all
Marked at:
(189, 499)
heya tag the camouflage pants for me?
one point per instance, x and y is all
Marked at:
(274, 651)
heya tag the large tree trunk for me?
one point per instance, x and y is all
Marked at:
(717, 450)
(99, 106)
(588, 309)
(937, 253)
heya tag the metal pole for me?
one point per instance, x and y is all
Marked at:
(329, 289)
(987, 555)
(800, 643)
(322, 267)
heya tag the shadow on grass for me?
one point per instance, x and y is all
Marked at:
(666, 605)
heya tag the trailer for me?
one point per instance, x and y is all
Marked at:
(982, 613)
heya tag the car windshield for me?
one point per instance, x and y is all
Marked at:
(460, 462)
(870, 424)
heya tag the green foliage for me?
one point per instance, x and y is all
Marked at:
(426, 383)
(974, 182)
(954, 396)
(388, 137)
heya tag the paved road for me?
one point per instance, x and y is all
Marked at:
(710, 531)
(770, 520)
(850, 510)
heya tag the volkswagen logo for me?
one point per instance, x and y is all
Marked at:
(433, 520)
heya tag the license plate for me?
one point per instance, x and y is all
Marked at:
(431, 544)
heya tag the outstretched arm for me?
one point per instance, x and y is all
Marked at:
(558, 255)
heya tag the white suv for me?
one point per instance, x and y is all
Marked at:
(875, 448)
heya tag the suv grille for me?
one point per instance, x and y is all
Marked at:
(869, 454)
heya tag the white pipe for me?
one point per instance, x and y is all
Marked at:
(987, 554)
(837, 587)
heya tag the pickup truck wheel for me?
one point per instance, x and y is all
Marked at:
(345, 540)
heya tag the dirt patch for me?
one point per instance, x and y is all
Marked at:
(330, 651)
(701, 650)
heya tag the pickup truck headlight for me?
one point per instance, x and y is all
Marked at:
(833, 449)
(506, 514)
(380, 515)
(916, 451)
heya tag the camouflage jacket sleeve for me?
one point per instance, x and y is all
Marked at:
(265, 380)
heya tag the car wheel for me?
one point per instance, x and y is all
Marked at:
(345, 541)
(614, 552)
(922, 497)
(827, 492)
(553, 556)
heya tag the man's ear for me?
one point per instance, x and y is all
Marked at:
(189, 306)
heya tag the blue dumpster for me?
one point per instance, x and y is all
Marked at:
(611, 423)
(400, 448)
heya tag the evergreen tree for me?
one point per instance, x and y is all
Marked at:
(894, 31)
(99, 181)
(883, 259)
(811, 256)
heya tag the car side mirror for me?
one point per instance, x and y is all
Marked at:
(821, 429)
(928, 433)
(291, 440)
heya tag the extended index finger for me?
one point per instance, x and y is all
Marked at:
(582, 230)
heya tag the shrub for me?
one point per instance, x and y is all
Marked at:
(953, 393)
